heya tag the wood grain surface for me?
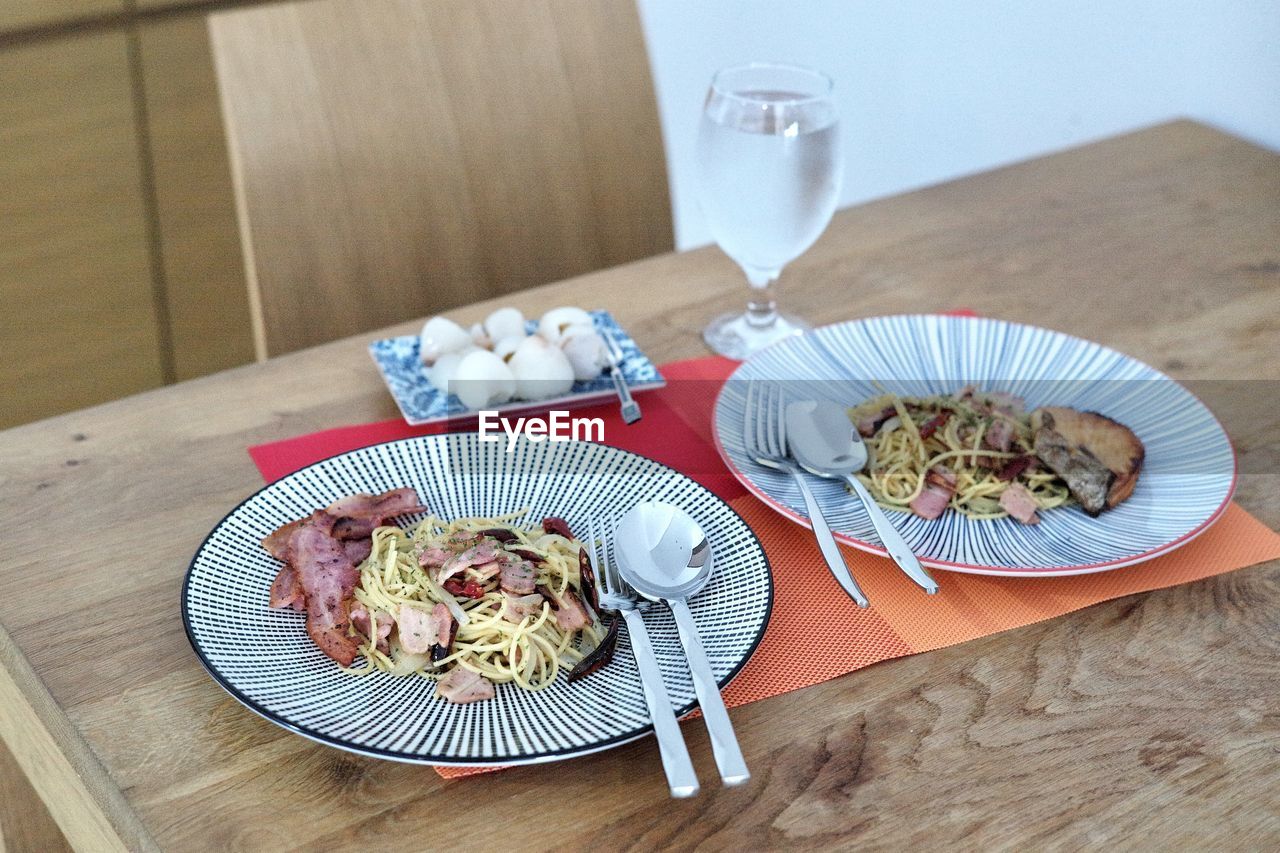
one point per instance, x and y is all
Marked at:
(79, 324)
(25, 823)
(1149, 722)
(403, 157)
(206, 295)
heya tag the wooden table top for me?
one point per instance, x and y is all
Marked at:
(1147, 721)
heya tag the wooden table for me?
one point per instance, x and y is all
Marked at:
(1148, 721)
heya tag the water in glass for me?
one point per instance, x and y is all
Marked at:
(770, 167)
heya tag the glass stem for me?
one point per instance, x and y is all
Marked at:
(762, 309)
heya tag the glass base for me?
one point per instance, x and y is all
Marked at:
(733, 336)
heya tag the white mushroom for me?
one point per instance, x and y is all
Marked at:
(506, 347)
(586, 352)
(482, 380)
(439, 336)
(504, 323)
(480, 337)
(557, 321)
(446, 368)
(541, 370)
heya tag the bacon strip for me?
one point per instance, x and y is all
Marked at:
(418, 629)
(353, 528)
(433, 557)
(462, 685)
(518, 578)
(570, 614)
(1004, 401)
(1019, 503)
(286, 591)
(934, 423)
(354, 517)
(354, 508)
(360, 618)
(446, 631)
(328, 578)
(321, 553)
(516, 607)
(358, 550)
(485, 551)
(868, 425)
(277, 541)
(1014, 467)
(939, 486)
(999, 436)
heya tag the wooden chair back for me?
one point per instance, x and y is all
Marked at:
(393, 159)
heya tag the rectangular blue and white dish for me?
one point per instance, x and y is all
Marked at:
(421, 403)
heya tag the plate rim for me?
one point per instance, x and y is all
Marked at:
(409, 758)
(979, 569)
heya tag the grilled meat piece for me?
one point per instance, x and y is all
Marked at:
(1099, 458)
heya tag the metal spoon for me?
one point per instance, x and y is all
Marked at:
(826, 444)
(665, 556)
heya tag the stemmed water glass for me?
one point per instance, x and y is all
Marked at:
(769, 168)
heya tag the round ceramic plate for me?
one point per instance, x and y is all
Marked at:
(264, 658)
(1186, 482)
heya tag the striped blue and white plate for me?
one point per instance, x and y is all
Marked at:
(264, 658)
(1187, 478)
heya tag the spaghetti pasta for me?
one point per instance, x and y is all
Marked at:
(525, 640)
(977, 445)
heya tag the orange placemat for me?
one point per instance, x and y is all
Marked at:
(676, 429)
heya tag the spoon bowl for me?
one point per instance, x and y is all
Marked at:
(823, 440)
(668, 555)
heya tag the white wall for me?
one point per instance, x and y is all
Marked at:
(930, 90)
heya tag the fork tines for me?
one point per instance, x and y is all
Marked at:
(764, 423)
(611, 583)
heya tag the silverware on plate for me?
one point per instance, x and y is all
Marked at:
(826, 444)
(668, 558)
(617, 595)
(629, 407)
(764, 434)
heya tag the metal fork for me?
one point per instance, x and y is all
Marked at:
(764, 434)
(617, 595)
(630, 408)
